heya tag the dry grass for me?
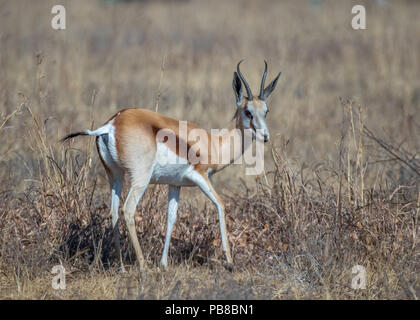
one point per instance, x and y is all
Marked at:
(341, 182)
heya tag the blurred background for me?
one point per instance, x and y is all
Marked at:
(182, 54)
(111, 53)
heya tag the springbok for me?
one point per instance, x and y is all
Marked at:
(128, 142)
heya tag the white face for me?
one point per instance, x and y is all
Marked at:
(254, 118)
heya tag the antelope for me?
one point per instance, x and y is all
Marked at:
(128, 143)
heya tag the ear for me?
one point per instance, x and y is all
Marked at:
(269, 89)
(237, 88)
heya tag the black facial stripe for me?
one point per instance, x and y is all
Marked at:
(248, 114)
(252, 127)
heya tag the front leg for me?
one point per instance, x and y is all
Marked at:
(173, 197)
(203, 182)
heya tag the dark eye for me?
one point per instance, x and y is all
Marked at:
(248, 114)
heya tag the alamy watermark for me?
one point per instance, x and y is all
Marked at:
(359, 280)
(58, 22)
(58, 282)
(359, 20)
(220, 147)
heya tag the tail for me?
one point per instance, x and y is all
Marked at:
(72, 135)
(100, 131)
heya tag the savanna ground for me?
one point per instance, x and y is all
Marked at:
(342, 170)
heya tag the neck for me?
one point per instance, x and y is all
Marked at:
(232, 143)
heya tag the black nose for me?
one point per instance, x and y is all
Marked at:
(265, 138)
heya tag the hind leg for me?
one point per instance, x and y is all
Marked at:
(139, 181)
(116, 183)
(116, 180)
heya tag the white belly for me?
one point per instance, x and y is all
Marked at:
(169, 168)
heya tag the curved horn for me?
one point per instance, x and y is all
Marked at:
(248, 89)
(261, 96)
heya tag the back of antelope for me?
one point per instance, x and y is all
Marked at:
(127, 143)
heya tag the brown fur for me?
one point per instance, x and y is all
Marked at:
(257, 103)
(142, 125)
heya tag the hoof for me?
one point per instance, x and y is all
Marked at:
(229, 267)
(142, 265)
(163, 266)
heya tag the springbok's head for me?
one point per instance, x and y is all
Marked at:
(252, 110)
